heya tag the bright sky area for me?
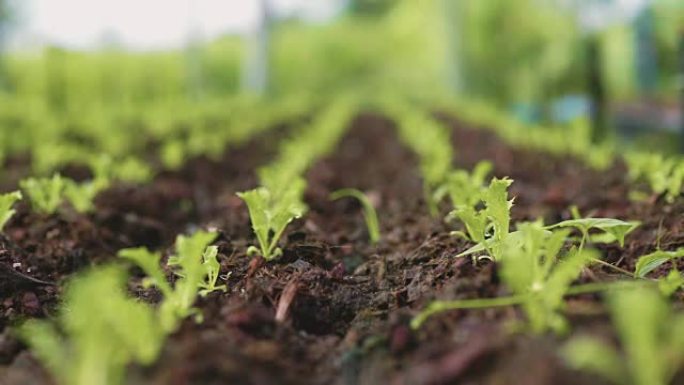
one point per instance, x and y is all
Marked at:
(148, 24)
(156, 24)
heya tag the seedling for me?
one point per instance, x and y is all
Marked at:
(665, 175)
(489, 226)
(99, 331)
(533, 271)
(271, 212)
(431, 141)
(6, 211)
(369, 213)
(464, 188)
(45, 194)
(198, 272)
(652, 338)
(82, 195)
(612, 229)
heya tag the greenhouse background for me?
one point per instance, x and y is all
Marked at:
(530, 57)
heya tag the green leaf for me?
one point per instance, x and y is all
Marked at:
(669, 284)
(614, 227)
(103, 331)
(45, 194)
(647, 263)
(498, 206)
(6, 202)
(641, 317)
(149, 263)
(588, 354)
(213, 269)
(475, 222)
(369, 212)
(81, 195)
(192, 271)
(271, 213)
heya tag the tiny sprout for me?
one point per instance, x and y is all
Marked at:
(369, 212)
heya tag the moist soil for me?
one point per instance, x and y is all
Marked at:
(334, 309)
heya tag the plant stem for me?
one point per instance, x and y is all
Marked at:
(618, 269)
(440, 306)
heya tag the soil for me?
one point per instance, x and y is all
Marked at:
(334, 309)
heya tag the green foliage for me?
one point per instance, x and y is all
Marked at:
(664, 174)
(652, 338)
(489, 226)
(430, 140)
(369, 212)
(615, 229)
(81, 195)
(647, 263)
(271, 212)
(512, 51)
(95, 339)
(128, 169)
(464, 188)
(279, 200)
(532, 268)
(45, 194)
(197, 271)
(213, 269)
(6, 202)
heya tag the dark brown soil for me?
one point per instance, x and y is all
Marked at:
(334, 309)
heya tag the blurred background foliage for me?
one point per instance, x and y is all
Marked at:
(508, 53)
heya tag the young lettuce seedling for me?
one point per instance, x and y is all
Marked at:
(45, 194)
(368, 210)
(271, 211)
(651, 335)
(100, 331)
(6, 202)
(82, 195)
(489, 226)
(665, 175)
(532, 270)
(464, 188)
(198, 272)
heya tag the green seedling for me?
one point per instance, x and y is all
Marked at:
(532, 270)
(613, 229)
(6, 211)
(128, 169)
(651, 335)
(270, 212)
(369, 213)
(82, 195)
(489, 226)
(430, 140)
(197, 271)
(664, 175)
(100, 330)
(464, 188)
(45, 194)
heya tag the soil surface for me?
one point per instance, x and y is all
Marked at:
(334, 309)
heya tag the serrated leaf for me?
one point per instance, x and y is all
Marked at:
(6, 202)
(149, 262)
